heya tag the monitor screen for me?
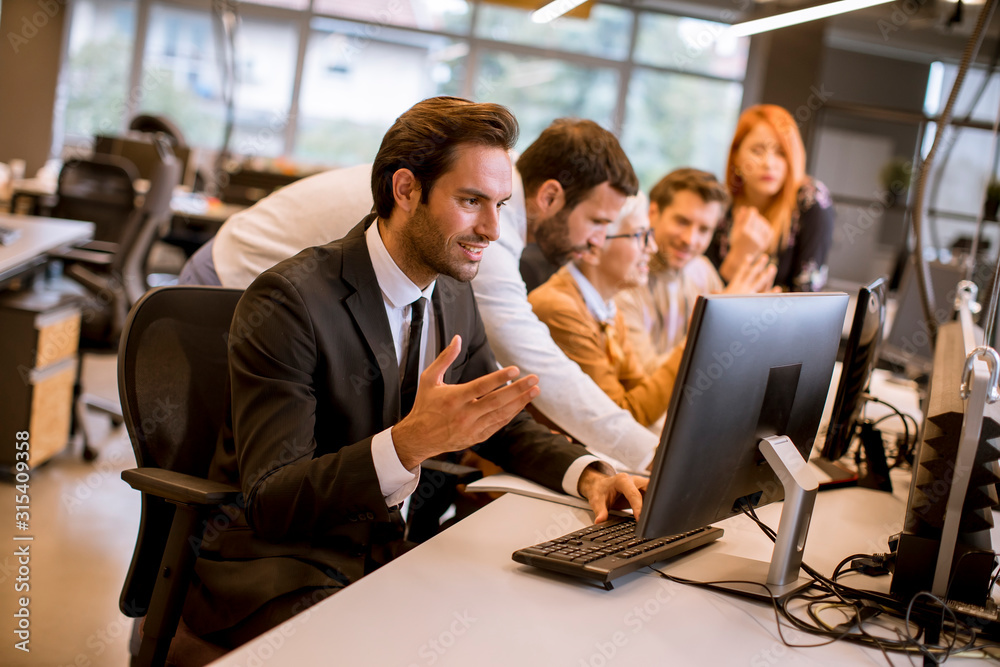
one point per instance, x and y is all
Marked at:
(859, 360)
(753, 367)
(139, 149)
(908, 343)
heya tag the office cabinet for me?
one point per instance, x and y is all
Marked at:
(39, 338)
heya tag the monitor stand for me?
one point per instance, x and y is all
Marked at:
(748, 577)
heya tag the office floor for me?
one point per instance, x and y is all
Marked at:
(84, 520)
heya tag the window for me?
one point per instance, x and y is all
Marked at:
(182, 78)
(539, 90)
(605, 33)
(321, 80)
(442, 15)
(690, 45)
(94, 82)
(678, 120)
(355, 86)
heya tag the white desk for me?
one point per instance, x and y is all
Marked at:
(459, 599)
(38, 236)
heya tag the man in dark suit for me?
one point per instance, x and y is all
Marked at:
(329, 425)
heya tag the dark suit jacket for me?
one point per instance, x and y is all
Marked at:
(314, 377)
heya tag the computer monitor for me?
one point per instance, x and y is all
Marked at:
(742, 420)
(908, 343)
(860, 356)
(139, 148)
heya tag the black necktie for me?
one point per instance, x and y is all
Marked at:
(411, 365)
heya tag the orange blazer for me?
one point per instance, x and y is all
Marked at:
(603, 351)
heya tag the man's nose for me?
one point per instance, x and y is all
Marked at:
(599, 235)
(488, 224)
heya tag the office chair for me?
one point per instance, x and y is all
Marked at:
(153, 124)
(114, 276)
(113, 273)
(100, 190)
(173, 353)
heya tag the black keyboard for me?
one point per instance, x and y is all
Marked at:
(608, 550)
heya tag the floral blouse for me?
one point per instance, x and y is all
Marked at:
(802, 262)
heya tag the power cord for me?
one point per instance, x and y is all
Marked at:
(935, 633)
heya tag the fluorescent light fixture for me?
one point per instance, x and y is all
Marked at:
(554, 10)
(794, 18)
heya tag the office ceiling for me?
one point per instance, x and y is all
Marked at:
(918, 30)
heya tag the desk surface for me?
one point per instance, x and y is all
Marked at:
(38, 236)
(459, 599)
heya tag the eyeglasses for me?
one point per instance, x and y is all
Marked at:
(643, 236)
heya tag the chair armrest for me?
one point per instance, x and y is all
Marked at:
(180, 488)
(462, 474)
(95, 257)
(109, 247)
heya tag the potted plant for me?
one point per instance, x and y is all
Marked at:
(895, 180)
(992, 200)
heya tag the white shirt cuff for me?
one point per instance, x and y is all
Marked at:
(571, 480)
(395, 481)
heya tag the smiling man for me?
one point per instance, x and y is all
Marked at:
(685, 207)
(329, 420)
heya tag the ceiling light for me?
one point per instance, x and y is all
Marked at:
(793, 18)
(554, 10)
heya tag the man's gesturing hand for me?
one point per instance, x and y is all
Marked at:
(450, 417)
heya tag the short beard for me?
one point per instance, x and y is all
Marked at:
(427, 251)
(552, 237)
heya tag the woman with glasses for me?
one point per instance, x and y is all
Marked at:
(578, 306)
(777, 209)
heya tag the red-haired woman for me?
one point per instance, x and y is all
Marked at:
(777, 209)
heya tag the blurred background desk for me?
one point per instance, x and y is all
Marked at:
(37, 237)
(196, 217)
(39, 337)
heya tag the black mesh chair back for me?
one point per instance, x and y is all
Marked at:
(172, 380)
(114, 273)
(153, 220)
(100, 190)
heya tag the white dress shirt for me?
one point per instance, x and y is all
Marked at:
(398, 292)
(603, 311)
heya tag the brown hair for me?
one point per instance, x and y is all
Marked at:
(779, 212)
(581, 155)
(702, 183)
(425, 137)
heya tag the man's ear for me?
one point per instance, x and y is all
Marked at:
(654, 212)
(550, 198)
(406, 190)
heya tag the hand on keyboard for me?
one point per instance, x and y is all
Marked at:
(605, 492)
